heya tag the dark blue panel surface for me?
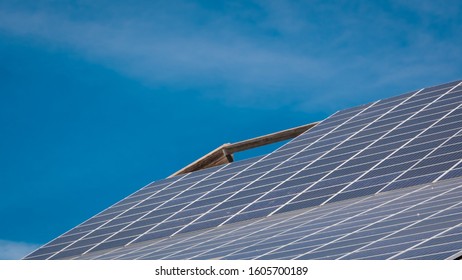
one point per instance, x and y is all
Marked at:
(380, 147)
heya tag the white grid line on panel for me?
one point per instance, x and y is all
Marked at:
(447, 171)
(381, 256)
(334, 129)
(195, 236)
(455, 256)
(218, 243)
(247, 168)
(284, 228)
(426, 240)
(399, 221)
(334, 186)
(408, 226)
(365, 136)
(243, 230)
(205, 193)
(292, 225)
(391, 154)
(426, 156)
(404, 155)
(216, 187)
(147, 213)
(397, 164)
(446, 252)
(375, 256)
(393, 118)
(135, 235)
(161, 205)
(433, 232)
(201, 239)
(433, 200)
(334, 250)
(385, 105)
(405, 125)
(395, 251)
(333, 257)
(360, 164)
(227, 171)
(183, 208)
(166, 186)
(344, 162)
(436, 126)
(139, 248)
(321, 122)
(46, 245)
(341, 237)
(295, 141)
(442, 88)
(385, 145)
(280, 233)
(134, 207)
(294, 174)
(98, 255)
(344, 220)
(384, 219)
(331, 252)
(262, 208)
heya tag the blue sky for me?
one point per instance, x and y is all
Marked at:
(99, 98)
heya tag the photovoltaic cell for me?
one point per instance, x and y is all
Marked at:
(373, 226)
(385, 146)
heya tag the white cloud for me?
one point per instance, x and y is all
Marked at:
(12, 250)
(266, 54)
(185, 56)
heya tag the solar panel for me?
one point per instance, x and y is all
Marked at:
(415, 218)
(381, 147)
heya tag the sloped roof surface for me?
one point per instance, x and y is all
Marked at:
(417, 222)
(381, 180)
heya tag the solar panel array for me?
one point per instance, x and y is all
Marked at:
(385, 146)
(416, 222)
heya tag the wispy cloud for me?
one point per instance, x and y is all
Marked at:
(184, 57)
(12, 250)
(263, 53)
